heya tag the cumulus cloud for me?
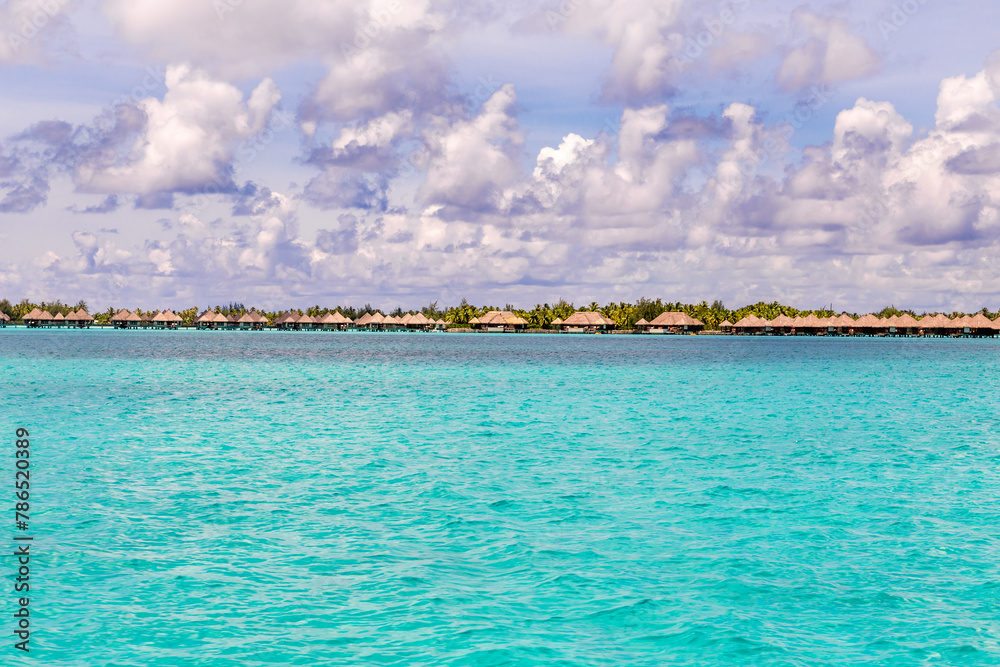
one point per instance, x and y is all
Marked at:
(829, 53)
(469, 162)
(186, 140)
(32, 29)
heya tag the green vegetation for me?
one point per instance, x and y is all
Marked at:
(541, 316)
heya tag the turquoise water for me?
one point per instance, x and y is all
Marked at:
(210, 498)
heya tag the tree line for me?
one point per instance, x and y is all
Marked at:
(624, 314)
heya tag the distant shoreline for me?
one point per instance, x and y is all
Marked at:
(107, 328)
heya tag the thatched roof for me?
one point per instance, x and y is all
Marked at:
(326, 319)
(33, 315)
(474, 320)
(907, 321)
(340, 318)
(843, 320)
(45, 316)
(364, 320)
(441, 323)
(641, 323)
(960, 322)
(723, 323)
(120, 316)
(59, 317)
(306, 319)
(675, 320)
(814, 322)
(751, 322)
(247, 318)
(133, 317)
(406, 319)
(5, 317)
(781, 321)
(556, 322)
(378, 318)
(207, 316)
(868, 322)
(980, 321)
(585, 318)
(161, 317)
(935, 322)
(390, 319)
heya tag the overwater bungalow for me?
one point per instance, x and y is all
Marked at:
(341, 321)
(557, 323)
(4, 319)
(160, 320)
(869, 325)
(906, 325)
(120, 319)
(247, 321)
(205, 321)
(782, 324)
(979, 325)
(58, 320)
(812, 325)
(587, 322)
(842, 324)
(499, 321)
(44, 319)
(935, 325)
(419, 322)
(725, 326)
(750, 325)
(671, 322)
(371, 321)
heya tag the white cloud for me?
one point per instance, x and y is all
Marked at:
(830, 54)
(185, 141)
(31, 28)
(469, 162)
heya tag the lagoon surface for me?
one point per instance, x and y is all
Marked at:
(264, 498)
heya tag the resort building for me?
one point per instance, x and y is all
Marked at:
(79, 319)
(749, 325)
(671, 323)
(587, 322)
(166, 320)
(499, 321)
(4, 319)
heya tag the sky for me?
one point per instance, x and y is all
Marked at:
(285, 154)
